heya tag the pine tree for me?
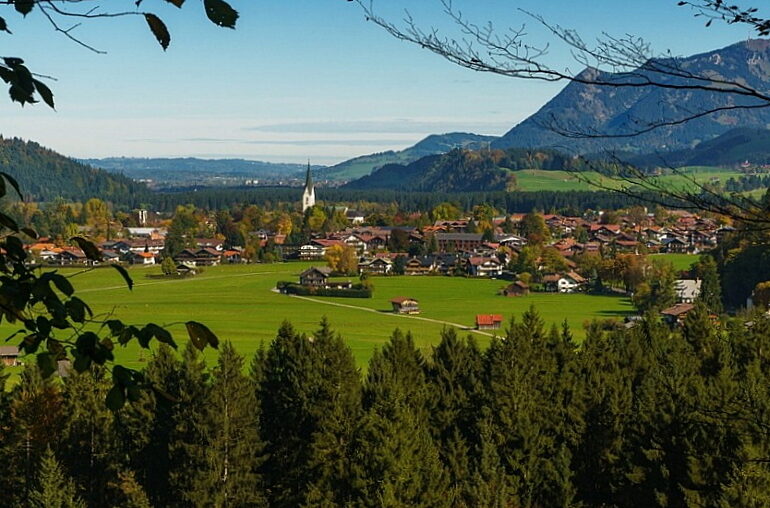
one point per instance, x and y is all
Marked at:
(526, 404)
(455, 384)
(54, 489)
(311, 406)
(710, 289)
(129, 493)
(35, 424)
(233, 449)
(187, 444)
(399, 464)
(287, 425)
(148, 425)
(336, 410)
(90, 448)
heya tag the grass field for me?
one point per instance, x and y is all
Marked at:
(681, 262)
(238, 304)
(542, 180)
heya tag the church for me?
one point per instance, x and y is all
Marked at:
(308, 195)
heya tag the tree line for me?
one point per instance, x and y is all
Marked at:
(644, 416)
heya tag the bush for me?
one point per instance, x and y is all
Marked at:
(292, 288)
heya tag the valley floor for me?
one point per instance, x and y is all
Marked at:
(238, 303)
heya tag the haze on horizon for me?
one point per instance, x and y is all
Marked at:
(299, 79)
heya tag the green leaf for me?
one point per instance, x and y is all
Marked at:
(126, 277)
(8, 222)
(30, 233)
(4, 26)
(62, 284)
(24, 6)
(177, 3)
(77, 309)
(13, 183)
(89, 249)
(116, 398)
(161, 334)
(47, 364)
(201, 336)
(159, 30)
(220, 13)
(44, 92)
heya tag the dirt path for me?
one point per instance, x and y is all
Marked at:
(406, 316)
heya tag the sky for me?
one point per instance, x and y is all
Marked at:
(299, 79)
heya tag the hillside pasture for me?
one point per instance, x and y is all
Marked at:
(686, 178)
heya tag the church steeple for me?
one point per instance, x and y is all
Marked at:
(308, 195)
(308, 178)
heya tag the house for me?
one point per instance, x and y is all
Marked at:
(676, 314)
(199, 257)
(458, 241)
(484, 267)
(355, 217)
(183, 270)
(675, 245)
(71, 255)
(420, 265)
(9, 356)
(141, 258)
(233, 256)
(518, 288)
(316, 249)
(376, 266)
(315, 276)
(687, 290)
(563, 283)
(405, 305)
(488, 321)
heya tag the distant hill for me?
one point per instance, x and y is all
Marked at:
(730, 149)
(610, 110)
(465, 170)
(44, 175)
(432, 145)
(190, 170)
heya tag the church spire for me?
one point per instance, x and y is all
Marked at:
(308, 177)
(308, 195)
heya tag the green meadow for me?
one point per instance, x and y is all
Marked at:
(238, 303)
(680, 262)
(543, 180)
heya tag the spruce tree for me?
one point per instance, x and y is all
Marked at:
(456, 399)
(187, 444)
(35, 424)
(90, 448)
(526, 404)
(710, 289)
(53, 488)
(311, 405)
(233, 449)
(398, 461)
(336, 410)
(287, 426)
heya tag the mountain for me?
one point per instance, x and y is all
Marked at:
(612, 111)
(44, 175)
(433, 144)
(729, 149)
(191, 171)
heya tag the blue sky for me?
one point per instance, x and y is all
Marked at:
(298, 79)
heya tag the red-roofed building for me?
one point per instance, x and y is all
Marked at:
(489, 321)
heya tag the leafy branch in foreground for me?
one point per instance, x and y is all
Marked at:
(56, 325)
(65, 17)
